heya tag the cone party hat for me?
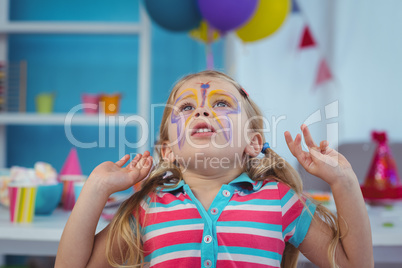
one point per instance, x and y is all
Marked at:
(382, 180)
(72, 164)
(70, 168)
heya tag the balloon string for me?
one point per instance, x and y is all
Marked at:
(210, 54)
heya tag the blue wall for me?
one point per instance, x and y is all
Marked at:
(72, 64)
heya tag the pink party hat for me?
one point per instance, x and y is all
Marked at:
(382, 180)
(72, 164)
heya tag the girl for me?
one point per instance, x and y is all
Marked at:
(211, 201)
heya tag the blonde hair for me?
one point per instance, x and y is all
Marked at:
(125, 230)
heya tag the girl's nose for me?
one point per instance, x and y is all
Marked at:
(202, 111)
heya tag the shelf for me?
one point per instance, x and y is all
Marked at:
(71, 119)
(142, 28)
(51, 27)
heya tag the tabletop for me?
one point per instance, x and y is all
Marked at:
(41, 237)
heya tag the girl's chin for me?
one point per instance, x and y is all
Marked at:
(205, 146)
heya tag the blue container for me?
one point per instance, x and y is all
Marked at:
(77, 188)
(48, 198)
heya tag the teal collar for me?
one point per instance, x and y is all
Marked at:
(243, 178)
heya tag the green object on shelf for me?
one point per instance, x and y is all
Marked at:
(389, 207)
(388, 224)
(44, 103)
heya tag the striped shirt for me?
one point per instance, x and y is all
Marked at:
(246, 225)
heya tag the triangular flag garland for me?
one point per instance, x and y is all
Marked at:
(324, 74)
(295, 7)
(307, 39)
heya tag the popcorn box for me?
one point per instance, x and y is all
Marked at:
(22, 202)
(68, 197)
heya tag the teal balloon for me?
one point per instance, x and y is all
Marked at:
(174, 15)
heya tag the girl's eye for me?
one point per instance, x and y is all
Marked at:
(186, 107)
(221, 103)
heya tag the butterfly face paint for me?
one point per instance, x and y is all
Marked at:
(179, 115)
(219, 102)
(222, 103)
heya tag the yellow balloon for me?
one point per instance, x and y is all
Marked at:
(269, 16)
(201, 33)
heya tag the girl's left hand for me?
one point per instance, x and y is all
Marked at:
(321, 161)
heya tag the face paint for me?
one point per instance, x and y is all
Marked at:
(204, 88)
(181, 119)
(214, 97)
(218, 96)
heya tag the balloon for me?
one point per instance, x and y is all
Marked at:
(226, 15)
(269, 16)
(201, 33)
(174, 15)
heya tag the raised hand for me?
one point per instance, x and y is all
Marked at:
(321, 161)
(113, 177)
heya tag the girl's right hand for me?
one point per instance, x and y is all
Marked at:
(112, 177)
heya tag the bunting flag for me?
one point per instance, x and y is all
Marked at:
(307, 39)
(324, 74)
(295, 7)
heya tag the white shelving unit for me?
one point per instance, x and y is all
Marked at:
(142, 29)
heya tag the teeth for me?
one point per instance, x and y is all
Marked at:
(203, 130)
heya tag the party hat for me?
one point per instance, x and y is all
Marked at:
(71, 165)
(382, 180)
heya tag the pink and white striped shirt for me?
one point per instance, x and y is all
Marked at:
(246, 225)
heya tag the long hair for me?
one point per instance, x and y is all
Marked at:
(125, 228)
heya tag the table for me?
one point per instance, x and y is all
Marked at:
(41, 238)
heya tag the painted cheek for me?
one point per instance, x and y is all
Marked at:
(181, 122)
(222, 117)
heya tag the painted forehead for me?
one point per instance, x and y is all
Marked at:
(201, 87)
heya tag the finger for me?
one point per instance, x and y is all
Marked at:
(319, 156)
(135, 160)
(146, 154)
(297, 149)
(323, 145)
(143, 168)
(307, 136)
(138, 158)
(123, 160)
(148, 164)
(141, 163)
(289, 141)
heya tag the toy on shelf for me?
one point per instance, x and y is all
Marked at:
(90, 103)
(382, 181)
(69, 174)
(13, 90)
(44, 102)
(110, 103)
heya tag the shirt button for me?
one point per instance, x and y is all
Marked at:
(214, 211)
(226, 193)
(207, 239)
(207, 263)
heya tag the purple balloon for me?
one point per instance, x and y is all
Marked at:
(226, 15)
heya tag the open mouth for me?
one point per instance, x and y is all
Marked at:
(203, 129)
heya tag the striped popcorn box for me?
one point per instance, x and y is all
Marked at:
(22, 202)
(68, 197)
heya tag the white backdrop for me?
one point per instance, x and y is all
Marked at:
(361, 41)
